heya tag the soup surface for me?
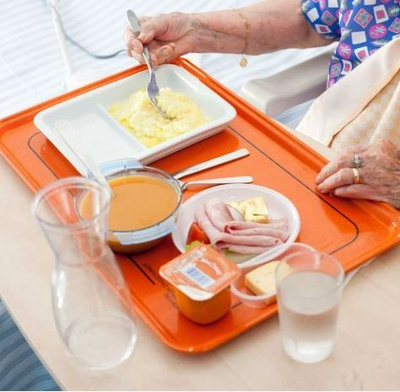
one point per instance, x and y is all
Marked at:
(138, 202)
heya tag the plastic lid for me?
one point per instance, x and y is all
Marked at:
(200, 273)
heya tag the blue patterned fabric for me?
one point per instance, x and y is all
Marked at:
(20, 368)
(360, 26)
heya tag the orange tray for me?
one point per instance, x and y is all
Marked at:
(353, 231)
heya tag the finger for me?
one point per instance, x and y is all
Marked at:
(360, 191)
(132, 44)
(138, 57)
(341, 178)
(129, 38)
(355, 191)
(164, 53)
(151, 28)
(128, 35)
(178, 48)
(340, 162)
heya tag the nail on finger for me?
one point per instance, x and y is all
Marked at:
(164, 52)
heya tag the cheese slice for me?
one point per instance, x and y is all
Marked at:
(253, 210)
(261, 281)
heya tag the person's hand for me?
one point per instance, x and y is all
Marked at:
(167, 36)
(379, 174)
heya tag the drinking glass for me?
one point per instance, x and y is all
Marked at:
(309, 285)
(91, 303)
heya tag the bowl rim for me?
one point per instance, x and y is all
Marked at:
(133, 164)
(268, 259)
(250, 297)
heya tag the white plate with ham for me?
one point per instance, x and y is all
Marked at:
(228, 232)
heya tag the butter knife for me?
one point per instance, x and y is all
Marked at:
(211, 163)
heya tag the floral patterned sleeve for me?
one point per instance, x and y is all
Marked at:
(360, 26)
(323, 15)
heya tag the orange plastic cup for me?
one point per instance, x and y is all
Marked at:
(201, 279)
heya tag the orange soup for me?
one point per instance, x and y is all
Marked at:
(138, 202)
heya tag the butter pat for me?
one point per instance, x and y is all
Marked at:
(261, 281)
(253, 210)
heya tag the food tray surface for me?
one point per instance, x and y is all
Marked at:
(353, 231)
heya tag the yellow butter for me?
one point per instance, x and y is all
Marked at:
(261, 281)
(253, 210)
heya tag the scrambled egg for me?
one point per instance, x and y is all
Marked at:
(140, 118)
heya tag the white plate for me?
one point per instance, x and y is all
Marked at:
(98, 134)
(278, 206)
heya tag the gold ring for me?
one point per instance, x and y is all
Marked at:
(356, 175)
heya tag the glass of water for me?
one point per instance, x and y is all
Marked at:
(309, 285)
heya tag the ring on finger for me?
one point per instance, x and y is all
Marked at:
(356, 161)
(356, 175)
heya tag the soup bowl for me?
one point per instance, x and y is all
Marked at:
(144, 207)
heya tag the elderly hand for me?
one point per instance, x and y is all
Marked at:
(379, 174)
(167, 36)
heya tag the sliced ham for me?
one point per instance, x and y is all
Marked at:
(279, 224)
(247, 244)
(215, 236)
(278, 228)
(218, 213)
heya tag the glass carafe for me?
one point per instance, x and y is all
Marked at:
(91, 302)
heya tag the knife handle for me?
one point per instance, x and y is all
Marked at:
(211, 163)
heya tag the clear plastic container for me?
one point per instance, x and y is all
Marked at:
(91, 301)
(201, 279)
(238, 287)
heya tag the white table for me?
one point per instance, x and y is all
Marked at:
(368, 347)
(366, 357)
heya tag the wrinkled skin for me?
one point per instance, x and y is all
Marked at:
(168, 36)
(273, 25)
(379, 174)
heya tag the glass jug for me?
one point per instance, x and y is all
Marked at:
(91, 303)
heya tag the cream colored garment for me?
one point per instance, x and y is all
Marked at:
(362, 107)
(380, 119)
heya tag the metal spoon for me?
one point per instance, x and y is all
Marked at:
(217, 181)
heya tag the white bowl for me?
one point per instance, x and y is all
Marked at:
(239, 289)
(277, 204)
(97, 133)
